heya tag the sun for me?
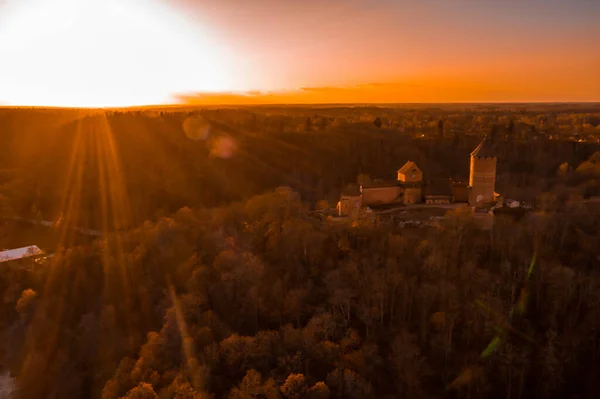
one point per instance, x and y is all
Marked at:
(105, 53)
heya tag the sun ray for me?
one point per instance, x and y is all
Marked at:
(72, 191)
(187, 341)
(116, 213)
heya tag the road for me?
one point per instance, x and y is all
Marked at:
(47, 223)
(412, 207)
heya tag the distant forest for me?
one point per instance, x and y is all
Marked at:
(156, 162)
(221, 283)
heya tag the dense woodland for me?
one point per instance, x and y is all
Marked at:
(221, 282)
(158, 161)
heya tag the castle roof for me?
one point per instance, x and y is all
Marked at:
(380, 184)
(408, 166)
(442, 186)
(485, 149)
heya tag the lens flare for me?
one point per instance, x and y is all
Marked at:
(196, 128)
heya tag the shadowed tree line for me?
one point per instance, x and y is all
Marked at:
(161, 166)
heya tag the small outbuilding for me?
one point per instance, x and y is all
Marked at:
(350, 201)
(21, 255)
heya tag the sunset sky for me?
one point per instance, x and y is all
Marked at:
(310, 51)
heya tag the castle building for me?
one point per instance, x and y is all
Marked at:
(410, 178)
(482, 175)
(350, 201)
(409, 188)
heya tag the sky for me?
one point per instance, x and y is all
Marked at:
(309, 51)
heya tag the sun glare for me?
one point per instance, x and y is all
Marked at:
(100, 53)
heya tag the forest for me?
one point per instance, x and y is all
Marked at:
(214, 278)
(158, 161)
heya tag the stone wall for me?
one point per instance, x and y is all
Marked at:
(380, 195)
(438, 199)
(413, 195)
(460, 193)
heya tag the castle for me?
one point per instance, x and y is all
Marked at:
(410, 188)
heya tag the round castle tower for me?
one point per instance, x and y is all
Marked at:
(482, 177)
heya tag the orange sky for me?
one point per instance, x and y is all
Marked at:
(416, 51)
(304, 51)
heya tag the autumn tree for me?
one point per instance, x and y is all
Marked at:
(142, 391)
(294, 386)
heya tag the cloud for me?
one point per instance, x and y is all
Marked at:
(437, 90)
(321, 89)
(367, 92)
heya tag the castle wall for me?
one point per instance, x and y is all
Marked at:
(482, 179)
(413, 195)
(438, 199)
(380, 195)
(460, 193)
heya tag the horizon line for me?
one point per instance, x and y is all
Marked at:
(339, 104)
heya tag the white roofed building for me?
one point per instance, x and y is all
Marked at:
(20, 254)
